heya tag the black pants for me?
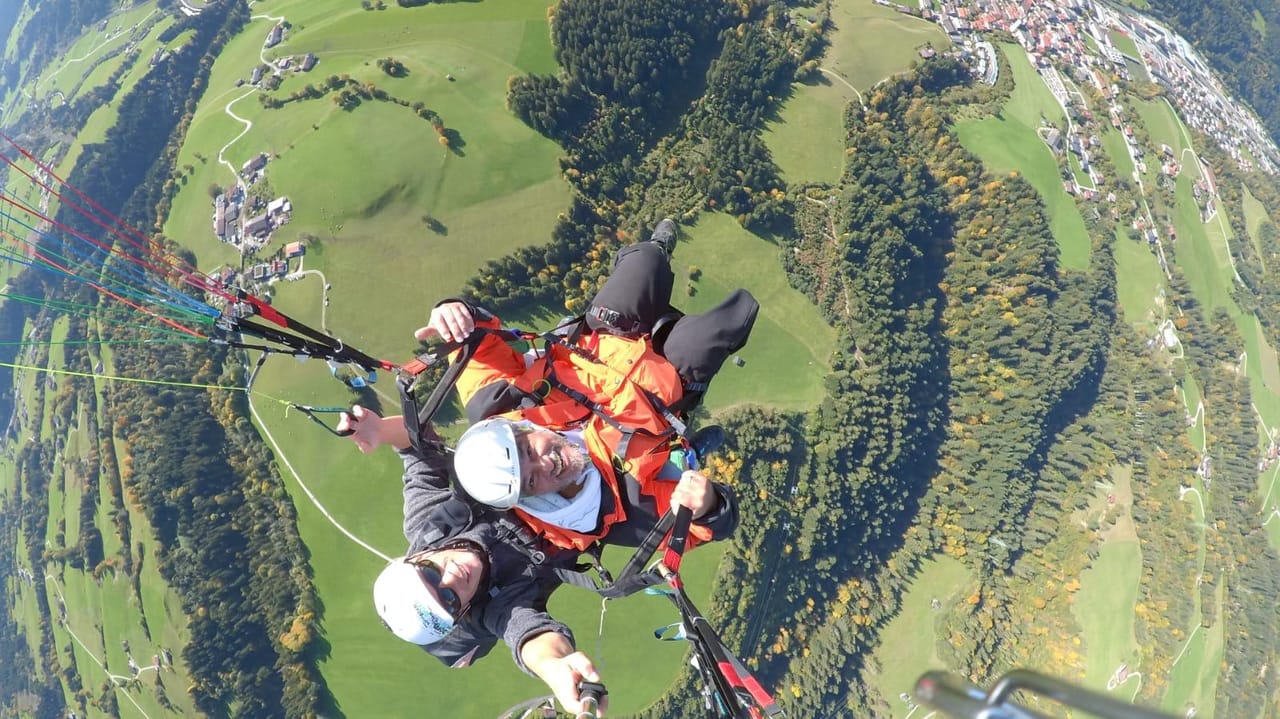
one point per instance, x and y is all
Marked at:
(637, 296)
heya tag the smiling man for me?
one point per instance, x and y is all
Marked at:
(577, 438)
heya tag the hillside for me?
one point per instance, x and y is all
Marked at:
(1011, 400)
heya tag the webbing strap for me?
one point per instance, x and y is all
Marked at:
(416, 417)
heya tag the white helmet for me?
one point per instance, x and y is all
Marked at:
(408, 608)
(487, 461)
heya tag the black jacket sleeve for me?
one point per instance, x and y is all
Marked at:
(723, 520)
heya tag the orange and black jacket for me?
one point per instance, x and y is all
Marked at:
(621, 376)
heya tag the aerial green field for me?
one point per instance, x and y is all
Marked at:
(908, 644)
(873, 41)
(1114, 144)
(1104, 605)
(1124, 43)
(870, 42)
(1194, 676)
(807, 141)
(1139, 282)
(1254, 215)
(787, 355)
(1008, 142)
(1201, 253)
(1110, 588)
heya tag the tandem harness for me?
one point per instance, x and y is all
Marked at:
(417, 417)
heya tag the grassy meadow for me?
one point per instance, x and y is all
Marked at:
(1008, 142)
(908, 644)
(1139, 283)
(870, 43)
(1255, 213)
(1104, 606)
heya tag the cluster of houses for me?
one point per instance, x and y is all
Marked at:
(284, 64)
(1083, 38)
(234, 218)
(260, 272)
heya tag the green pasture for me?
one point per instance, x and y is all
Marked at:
(869, 43)
(1201, 253)
(1162, 127)
(26, 615)
(1138, 282)
(1254, 215)
(1114, 144)
(872, 42)
(1261, 367)
(1008, 142)
(1269, 490)
(498, 191)
(1124, 43)
(1191, 398)
(1193, 679)
(790, 347)
(807, 140)
(907, 646)
(1104, 607)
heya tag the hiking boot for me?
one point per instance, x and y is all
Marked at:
(664, 235)
(707, 440)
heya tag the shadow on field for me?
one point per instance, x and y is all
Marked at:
(319, 651)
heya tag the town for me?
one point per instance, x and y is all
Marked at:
(1092, 41)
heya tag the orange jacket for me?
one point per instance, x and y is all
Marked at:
(616, 382)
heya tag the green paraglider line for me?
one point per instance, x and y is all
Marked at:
(137, 380)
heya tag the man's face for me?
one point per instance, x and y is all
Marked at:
(461, 570)
(548, 462)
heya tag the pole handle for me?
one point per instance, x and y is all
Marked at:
(591, 694)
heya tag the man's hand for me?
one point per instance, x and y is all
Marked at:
(371, 431)
(564, 677)
(552, 657)
(695, 492)
(451, 322)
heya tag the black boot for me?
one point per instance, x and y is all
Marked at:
(707, 440)
(664, 235)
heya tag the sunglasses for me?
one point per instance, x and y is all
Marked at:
(431, 574)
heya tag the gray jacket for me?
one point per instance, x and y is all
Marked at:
(512, 602)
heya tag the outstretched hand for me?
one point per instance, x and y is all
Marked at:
(564, 677)
(451, 322)
(365, 425)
